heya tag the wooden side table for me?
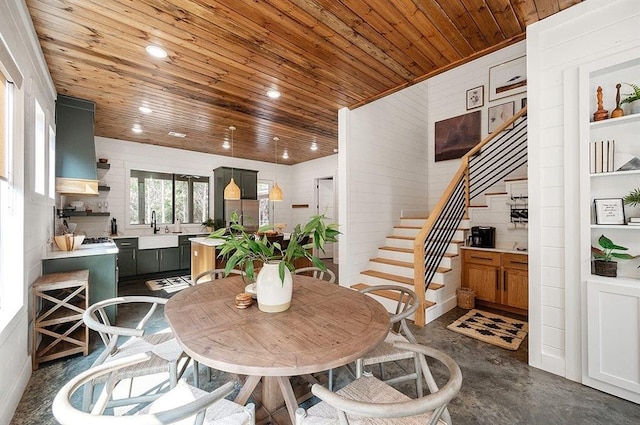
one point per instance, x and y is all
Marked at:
(59, 300)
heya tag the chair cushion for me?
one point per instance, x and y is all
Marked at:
(163, 348)
(368, 389)
(223, 412)
(386, 352)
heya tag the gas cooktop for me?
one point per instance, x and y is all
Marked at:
(101, 239)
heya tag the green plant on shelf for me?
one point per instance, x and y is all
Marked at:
(607, 251)
(630, 97)
(633, 198)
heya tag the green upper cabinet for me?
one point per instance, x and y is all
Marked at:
(247, 180)
(75, 145)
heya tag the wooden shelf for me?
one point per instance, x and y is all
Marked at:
(103, 188)
(72, 213)
(59, 301)
(103, 165)
(627, 119)
(615, 173)
(615, 226)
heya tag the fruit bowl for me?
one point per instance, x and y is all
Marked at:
(68, 242)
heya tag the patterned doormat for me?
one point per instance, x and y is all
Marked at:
(169, 284)
(492, 328)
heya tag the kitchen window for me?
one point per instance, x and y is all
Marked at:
(174, 197)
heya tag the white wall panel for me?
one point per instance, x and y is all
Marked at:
(556, 47)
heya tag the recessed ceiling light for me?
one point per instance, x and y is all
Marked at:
(145, 109)
(285, 155)
(176, 134)
(273, 94)
(156, 52)
(314, 146)
(226, 144)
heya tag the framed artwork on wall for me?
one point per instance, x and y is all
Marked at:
(456, 136)
(609, 211)
(508, 78)
(475, 97)
(499, 114)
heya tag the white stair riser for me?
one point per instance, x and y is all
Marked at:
(433, 312)
(411, 232)
(395, 255)
(399, 243)
(391, 269)
(413, 222)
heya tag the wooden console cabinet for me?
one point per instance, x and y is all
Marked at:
(499, 279)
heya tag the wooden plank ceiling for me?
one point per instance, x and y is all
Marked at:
(224, 55)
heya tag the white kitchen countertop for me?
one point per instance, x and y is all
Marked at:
(207, 241)
(507, 250)
(83, 250)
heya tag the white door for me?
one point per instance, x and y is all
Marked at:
(326, 199)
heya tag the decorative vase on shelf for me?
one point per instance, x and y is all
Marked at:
(272, 293)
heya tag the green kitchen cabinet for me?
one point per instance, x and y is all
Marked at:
(169, 259)
(148, 261)
(158, 260)
(127, 256)
(75, 148)
(103, 283)
(247, 181)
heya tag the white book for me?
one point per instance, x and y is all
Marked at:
(610, 162)
(599, 156)
(634, 220)
(592, 157)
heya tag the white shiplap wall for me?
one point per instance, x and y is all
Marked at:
(27, 241)
(382, 171)
(124, 156)
(557, 47)
(448, 97)
(303, 189)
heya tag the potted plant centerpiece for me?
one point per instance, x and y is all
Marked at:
(633, 99)
(274, 283)
(604, 264)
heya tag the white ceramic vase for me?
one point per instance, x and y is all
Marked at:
(273, 295)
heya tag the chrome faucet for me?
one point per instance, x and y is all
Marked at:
(154, 224)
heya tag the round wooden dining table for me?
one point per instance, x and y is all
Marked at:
(327, 326)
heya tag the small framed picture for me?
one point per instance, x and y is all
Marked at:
(499, 114)
(609, 211)
(475, 97)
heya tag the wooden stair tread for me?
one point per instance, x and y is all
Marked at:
(495, 193)
(435, 286)
(392, 262)
(393, 248)
(406, 238)
(515, 179)
(408, 227)
(389, 276)
(414, 218)
(388, 294)
(478, 206)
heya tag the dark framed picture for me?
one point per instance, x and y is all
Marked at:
(508, 78)
(609, 211)
(456, 136)
(475, 97)
(523, 102)
(499, 114)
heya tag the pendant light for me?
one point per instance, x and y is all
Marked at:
(275, 194)
(232, 191)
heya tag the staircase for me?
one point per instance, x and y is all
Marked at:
(394, 265)
(423, 253)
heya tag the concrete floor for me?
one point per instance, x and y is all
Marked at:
(498, 385)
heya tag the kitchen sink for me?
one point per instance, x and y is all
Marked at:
(157, 241)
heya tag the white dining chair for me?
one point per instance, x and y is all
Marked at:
(317, 273)
(406, 306)
(368, 400)
(165, 351)
(183, 404)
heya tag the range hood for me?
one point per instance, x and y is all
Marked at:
(76, 171)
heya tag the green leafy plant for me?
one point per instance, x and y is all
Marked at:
(241, 248)
(633, 198)
(630, 97)
(607, 249)
(208, 222)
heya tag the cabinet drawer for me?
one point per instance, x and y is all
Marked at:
(473, 256)
(515, 261)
